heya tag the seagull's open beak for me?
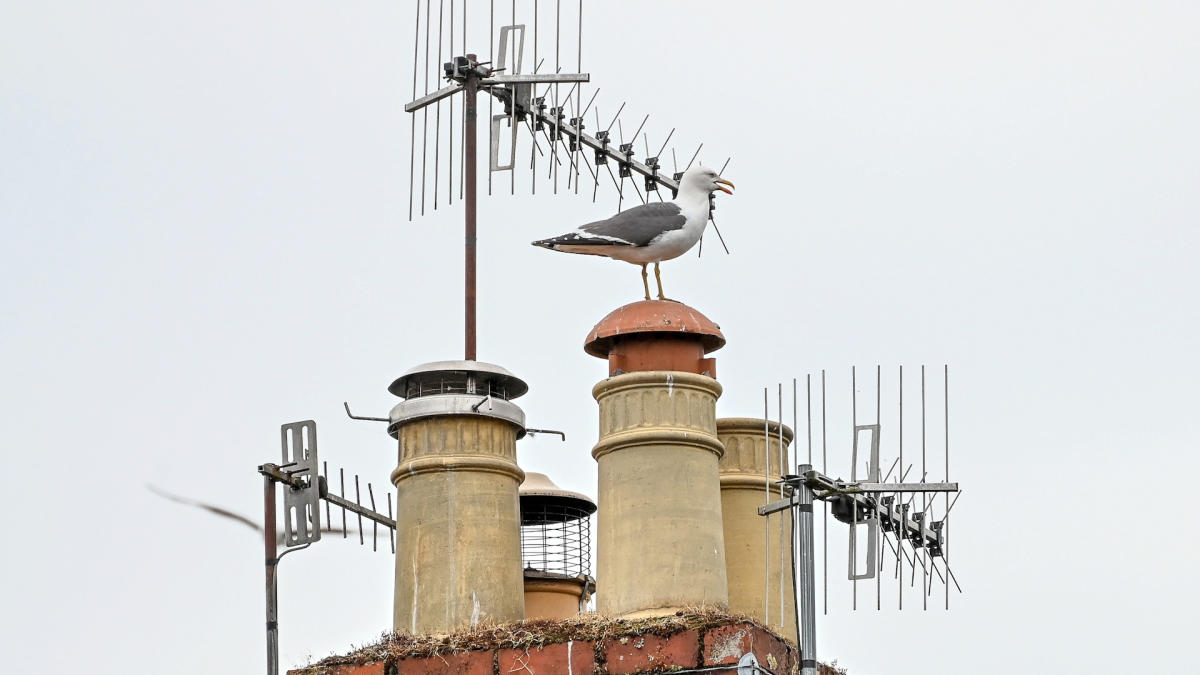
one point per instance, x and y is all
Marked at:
(721, 187)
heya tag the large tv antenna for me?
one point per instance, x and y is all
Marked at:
(880, 507)
(531, 99)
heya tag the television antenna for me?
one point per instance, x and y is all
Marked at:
(530, 99)
(885, 509)
(305, 483)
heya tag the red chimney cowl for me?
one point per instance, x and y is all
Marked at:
(656, 335)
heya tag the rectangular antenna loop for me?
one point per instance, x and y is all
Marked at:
(301, 505)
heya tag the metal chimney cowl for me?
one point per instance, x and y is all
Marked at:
(458, 522)
(556, 543)
(659, 544)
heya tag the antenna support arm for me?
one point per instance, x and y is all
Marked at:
(893, 517)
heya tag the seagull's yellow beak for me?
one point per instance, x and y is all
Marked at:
(721, 187)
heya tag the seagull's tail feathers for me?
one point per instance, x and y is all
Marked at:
(572, 242)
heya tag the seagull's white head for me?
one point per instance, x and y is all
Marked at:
(700, 178)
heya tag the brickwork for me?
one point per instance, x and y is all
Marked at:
(616, 655)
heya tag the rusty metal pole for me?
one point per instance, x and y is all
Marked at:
(470, 88)
(272, 562)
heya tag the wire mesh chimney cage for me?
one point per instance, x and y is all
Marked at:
(556, 529)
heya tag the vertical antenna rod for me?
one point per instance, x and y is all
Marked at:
(854, 476)
(783, 546)
(824, 504)
(946, 524)
(904, 511)
(875, 477)
(767, 520)
(412, 140)
(924, 505)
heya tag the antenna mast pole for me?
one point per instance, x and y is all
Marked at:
(272, 561)
(808, 586)
(466, 74)
(470, 89)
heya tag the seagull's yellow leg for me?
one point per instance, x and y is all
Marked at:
(658, 278)
(646, 280)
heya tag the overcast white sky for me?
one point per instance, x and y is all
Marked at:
(205, 235)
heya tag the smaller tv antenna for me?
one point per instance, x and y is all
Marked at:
(883, 505)
(305, 485)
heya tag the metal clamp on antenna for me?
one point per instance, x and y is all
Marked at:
(539, 110)
(935, 546)
(652, 179)
(573, 143)
(602, 151)
(625, 167)
(557, 127)
(922, 531)
(885, 504)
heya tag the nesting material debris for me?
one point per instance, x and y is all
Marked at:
(527, 634)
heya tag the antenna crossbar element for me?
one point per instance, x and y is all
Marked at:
(893, 517)
(560, 78)
(444, 92)
(900, 487)
(277, 474)
(599, 144)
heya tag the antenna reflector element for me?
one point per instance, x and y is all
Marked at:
(301, 512)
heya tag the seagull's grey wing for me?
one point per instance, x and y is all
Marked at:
(637, 226)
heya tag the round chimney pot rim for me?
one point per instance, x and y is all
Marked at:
(454, 405)
(733, 425)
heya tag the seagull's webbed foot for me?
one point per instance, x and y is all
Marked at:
(646, 280)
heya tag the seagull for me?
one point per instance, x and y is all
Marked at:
(280, 537)
(650, 233)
